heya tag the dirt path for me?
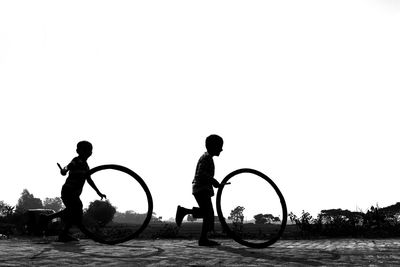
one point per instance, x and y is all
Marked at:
(18, 252)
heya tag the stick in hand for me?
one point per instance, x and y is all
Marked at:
(62, 170)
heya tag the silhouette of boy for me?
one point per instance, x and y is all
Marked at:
(202, 189)
(71, 190)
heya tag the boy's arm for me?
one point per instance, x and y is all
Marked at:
(64, 170)
(92, 184)
(215, 183)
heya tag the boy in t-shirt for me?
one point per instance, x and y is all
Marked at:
(202, 189)
(78, 173)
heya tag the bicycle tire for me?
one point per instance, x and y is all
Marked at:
(231, 233)
(96, 238)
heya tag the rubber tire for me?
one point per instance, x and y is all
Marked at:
(225, 226)
(149, 202)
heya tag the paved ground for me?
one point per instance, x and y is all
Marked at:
(39, 252)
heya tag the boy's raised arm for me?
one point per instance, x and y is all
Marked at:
(64, 170)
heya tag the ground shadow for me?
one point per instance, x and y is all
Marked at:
(264, 254)
(73, 247)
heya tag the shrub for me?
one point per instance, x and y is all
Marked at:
(100, 212)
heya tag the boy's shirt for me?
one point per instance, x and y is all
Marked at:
(78, 170)
(204, 177)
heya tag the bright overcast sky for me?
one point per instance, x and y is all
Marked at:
(306, 92)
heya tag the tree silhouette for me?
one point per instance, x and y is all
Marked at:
(131, 216)
(265, 218)
(236, 215)
(260, 219)
(28, 201)
(55, 204)
(101, 211)
(155, 218)
(5, 209)
(335, 216)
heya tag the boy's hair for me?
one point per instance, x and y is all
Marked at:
(214, 141)
(83, 146)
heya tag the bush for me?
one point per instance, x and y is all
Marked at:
(99, 212)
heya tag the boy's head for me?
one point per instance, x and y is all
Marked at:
(84, 149)
(214, 144)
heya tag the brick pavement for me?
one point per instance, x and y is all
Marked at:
(358, 252)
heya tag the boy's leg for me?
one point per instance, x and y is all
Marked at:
(71, 214)
(64, 236)
(197, 213)
(181, 212)
(207, 212)
(77, 212)
(65, 230)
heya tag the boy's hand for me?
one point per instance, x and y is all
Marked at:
(223, 184)
(102, 196)
(215, 183)
(63, 171)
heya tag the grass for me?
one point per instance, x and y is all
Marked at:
(191, 230)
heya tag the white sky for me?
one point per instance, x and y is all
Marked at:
(305, 91)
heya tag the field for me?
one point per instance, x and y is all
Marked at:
(191, 230)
